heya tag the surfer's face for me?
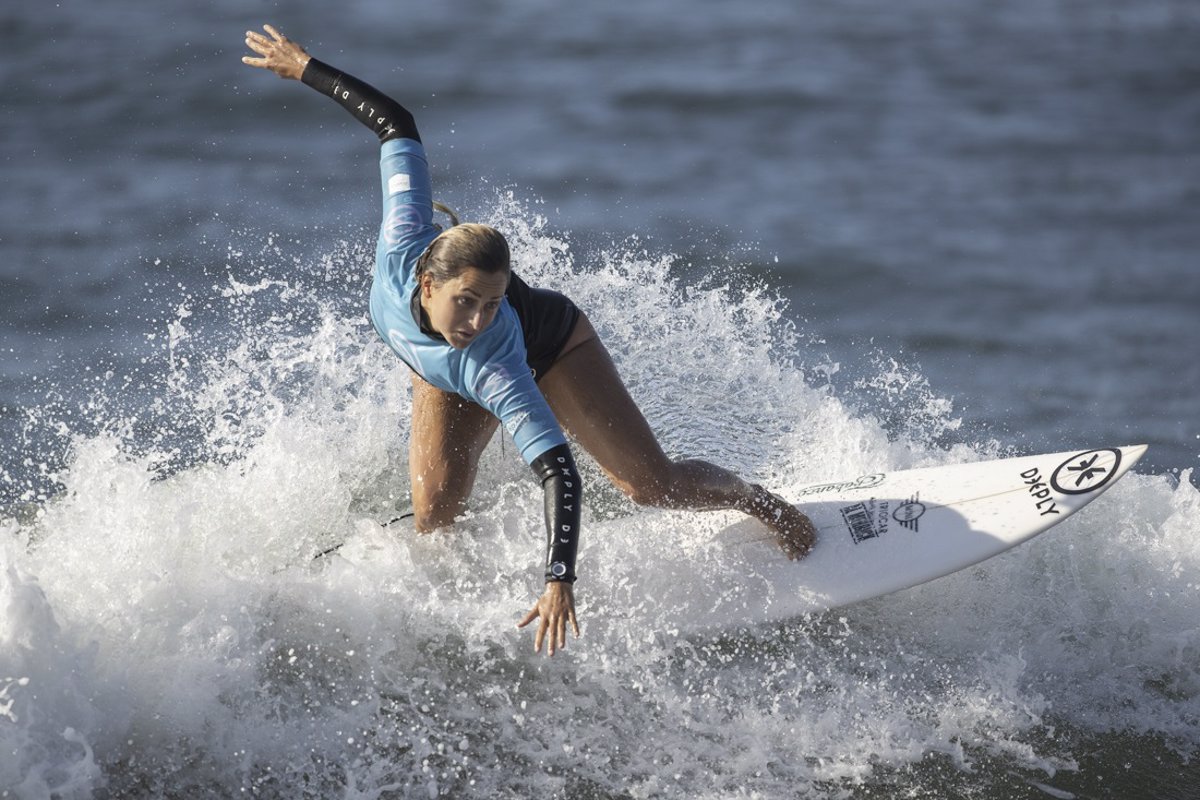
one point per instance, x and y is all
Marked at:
(463, 306)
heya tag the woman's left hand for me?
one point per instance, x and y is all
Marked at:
(555, 608)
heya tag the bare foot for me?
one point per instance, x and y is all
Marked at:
(793, 530)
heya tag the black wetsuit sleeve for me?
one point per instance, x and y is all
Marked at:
(383, 115)
(555, 468)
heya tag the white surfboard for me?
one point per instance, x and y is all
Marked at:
(882, 532)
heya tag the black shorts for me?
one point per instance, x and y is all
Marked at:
(547, 319)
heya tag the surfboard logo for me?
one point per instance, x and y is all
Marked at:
(401, 221)
(867, 520)
(862, 482)
(908, 513)
(1086, 472)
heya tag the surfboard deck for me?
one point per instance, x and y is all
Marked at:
(883, 532)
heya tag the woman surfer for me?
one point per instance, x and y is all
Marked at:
(486, 349)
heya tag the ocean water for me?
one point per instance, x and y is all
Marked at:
(819, 241)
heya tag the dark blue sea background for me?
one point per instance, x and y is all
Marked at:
(971, 229)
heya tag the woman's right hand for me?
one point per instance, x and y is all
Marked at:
(279, 54)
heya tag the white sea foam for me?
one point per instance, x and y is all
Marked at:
(165, 629)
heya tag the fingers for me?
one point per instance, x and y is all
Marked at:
(558, 632)
(797, 550)
(261, 44)
(276, 35)
(792, 548)
(552, 626)
(256, 41)
(794, 531)
(530, 617)
(805, 538)
(540, 637)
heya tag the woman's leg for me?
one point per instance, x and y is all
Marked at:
(591, 402)
(448, 436)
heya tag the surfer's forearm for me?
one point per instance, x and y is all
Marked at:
(383, 115)
(564, 491)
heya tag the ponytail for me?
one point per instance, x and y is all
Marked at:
(447, 211)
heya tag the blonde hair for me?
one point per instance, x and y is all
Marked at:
(463, 245)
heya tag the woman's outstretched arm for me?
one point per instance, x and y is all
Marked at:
(287, 59)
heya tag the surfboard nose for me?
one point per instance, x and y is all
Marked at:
(1132, 452)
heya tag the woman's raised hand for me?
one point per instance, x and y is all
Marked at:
(279, 54)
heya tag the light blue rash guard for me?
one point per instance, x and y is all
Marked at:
(491, 370)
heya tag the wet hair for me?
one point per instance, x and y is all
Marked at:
(447, 210)
(463, 245)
